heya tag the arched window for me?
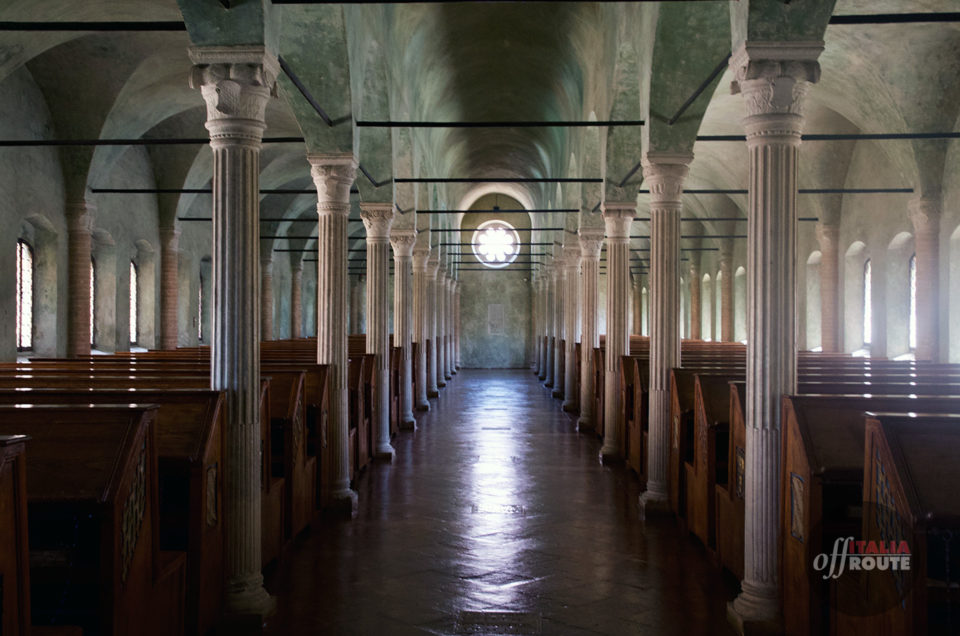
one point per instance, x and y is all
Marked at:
(93, 296)
(24, 296)
(200, 309)
(867, 306)
(134, 304)
(912, 328)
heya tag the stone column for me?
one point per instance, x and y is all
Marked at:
(356, 291)
(236, 83)
(549, 320)
(333, 174)
(79, 251)
(774, 79)
(439, 294)
(457, 322)
(925, 216)
(451, 329)
(169, 287)
(637, 308)
(559, 282)
(433, 266)
(696, 307)
(536, 286)
(421, 315)
(617, 217)
(664, 172)
(447, 326)
(377, 219)
(266, 296)
(591, 244)
(828, 236)
(296, 299)
(571, 261)
(403, 242)
(726, 290)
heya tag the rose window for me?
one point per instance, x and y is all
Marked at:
(496, 244)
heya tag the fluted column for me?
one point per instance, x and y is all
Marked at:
(169, 286)
(925, 216)
(266, 296)
(726, 291)
(377, 219)
(439, 287)
(356, 288)
(296, 299)
(333, 174)
(236, 83)
(456, 291)
(79, 250)
(664, 172)
(637, 308)
(421, 313)
(617, 218)
(696, 306)
(433, 266)
(591, 244)
(448, 325)
(550, 322)
(535, 286)
(559, 282)
(774, 80)
(571, 261)
(403, 242)
(451, 325)
(828, 236)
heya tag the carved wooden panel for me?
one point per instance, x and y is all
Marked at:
(133, 511)
(212, 504)
(797, 496)
(741, 463)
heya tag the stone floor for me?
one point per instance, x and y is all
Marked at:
(495, 517)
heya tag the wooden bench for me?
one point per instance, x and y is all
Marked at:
(94, 558)
(14, 554)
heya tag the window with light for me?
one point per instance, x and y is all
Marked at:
(867, 306)
(93, 296)
(134, 303)
(496, 244)
(24, 296)
(912, 328)
(200, 310)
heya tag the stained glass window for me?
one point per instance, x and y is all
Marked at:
(24, 296)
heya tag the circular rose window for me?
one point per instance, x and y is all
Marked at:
(496, 244)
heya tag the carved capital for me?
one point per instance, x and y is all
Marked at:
(403, 242)
(433, 266)
(664, 174)
(617, 219)
(421, 254)
(924, 213)
(236, 82)
(774, 77)
(333, 174)
(571, 256)
(828, 236)
(377, 219)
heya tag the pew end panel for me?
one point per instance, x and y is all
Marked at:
(14, 548)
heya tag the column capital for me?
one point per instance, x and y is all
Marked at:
(617, 218)
(80, 215)
(266, 258)
(333, 174)
(571, 255)
(774, 78)
(924, 213)
(828, 236)
(170, 234)
(664, 172)
(433, 265)
(421, 255)
(236, 82)
(403, 242)
(591, 242)
(377, 219)
(296, 265)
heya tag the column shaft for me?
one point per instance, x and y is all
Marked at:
(550, 314)
(828, 236)
(421, 313)
(925, 215)
(560, 284)
(79, 250)
(570, 311)
(169, 287)
(403, 242)
(433, 388)
(441, 312)
(696, 306)
(591, 243)
(266, 299)
(726, 291)
(296, 300)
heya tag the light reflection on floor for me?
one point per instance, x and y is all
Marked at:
(497, 504)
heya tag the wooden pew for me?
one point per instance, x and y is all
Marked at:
(14, 553)
(632, 427)
(822, 490)
(288, 447)
(729, 496)
(911, 470)
(95, 560)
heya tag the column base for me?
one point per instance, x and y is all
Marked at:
(343, 503)
(654, 504)
(453, 371)
(548, 384)
(441, 384)
(384, 454)
(432, 393)
(610, 457)
(448, 377)
(409, 425)
(541, 377)
(557, 393)
(248, 602)
(746, 624)
(570, 406)
(584, 425)
(423, 407)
